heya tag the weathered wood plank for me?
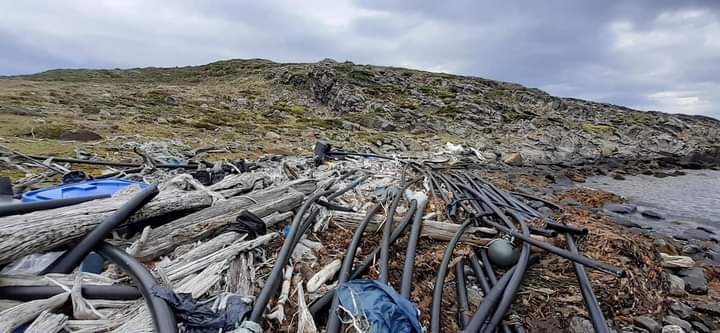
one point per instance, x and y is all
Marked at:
(205, 223)
(42, 231)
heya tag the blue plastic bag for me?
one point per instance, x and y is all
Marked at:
(385, 310)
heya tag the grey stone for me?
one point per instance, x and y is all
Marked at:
(677, 285)
(691, 249)
(672, 320)
(514, 159)
(712, 309)
(672, 329)
(648, 323)
(682, 310)
(700, 327)
(652, 214)
(580, 325)
(172, 100)
(695, 280)
(272, 135)
(620, 209)
(624, 221)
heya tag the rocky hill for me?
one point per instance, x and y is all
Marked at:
(267, 107)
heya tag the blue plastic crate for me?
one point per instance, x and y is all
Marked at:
(81, 189)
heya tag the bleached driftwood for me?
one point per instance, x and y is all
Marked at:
(324, 275)
(91, 326)
(54, 278)
(306, 324)
(206, 222)
(211, 246)
(236, 184)
(47, 322)
(44, 230)
(478, 236)
(18, 315)
(278, 313)
(6, 304)
(241, 274)
(81, 308)
(179, 269)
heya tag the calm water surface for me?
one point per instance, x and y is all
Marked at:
(687, 201)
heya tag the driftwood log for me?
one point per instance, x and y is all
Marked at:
(209, 221)
(42, 231)
(25, 312)
(47, 322)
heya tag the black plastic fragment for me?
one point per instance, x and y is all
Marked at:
(198, 317)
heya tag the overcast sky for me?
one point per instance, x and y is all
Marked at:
(651, 55)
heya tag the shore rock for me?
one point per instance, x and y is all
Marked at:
(514, 159)
(672, 329)
(700, 327)
(682, 310)
(648, 323)
(620, 208)
(677, 285)
(675, 321)
(695, 280)
(652, 214)
(580, 325)
(711, 309)
(669, 261)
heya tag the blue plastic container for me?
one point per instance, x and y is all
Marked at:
(81, 189)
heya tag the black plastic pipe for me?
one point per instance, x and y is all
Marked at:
(491, 299)
(406, 280)
(350, 186)
(543, 232)
(461, 295)
(480, 276)
(117, 292)
(596, 316)
(161, 313)
(532, 197)
(275, 277)
(29, 207)
(564, 228)
(333, 324)
(384, 275)
(323, 301)
(440, 278)
(67, 262)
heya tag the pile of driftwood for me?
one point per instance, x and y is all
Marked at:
(265, 237)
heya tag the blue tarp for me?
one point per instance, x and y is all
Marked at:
(385, 309)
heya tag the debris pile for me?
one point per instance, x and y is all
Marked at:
(341, 241)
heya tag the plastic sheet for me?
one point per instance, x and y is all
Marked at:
(370, 302)
(198, 317)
